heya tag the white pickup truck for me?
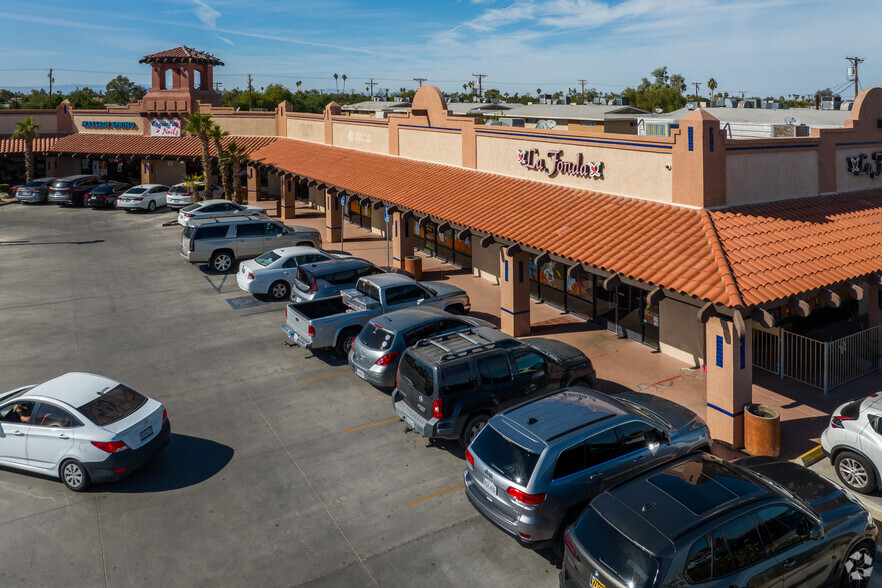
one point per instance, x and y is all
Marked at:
(336, 321)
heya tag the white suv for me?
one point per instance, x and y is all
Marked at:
(853, 442)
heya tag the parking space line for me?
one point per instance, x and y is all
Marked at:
(435, 495)
(323, 377)
(360, 427)
(667, 380)
(277, 342)
(604, 354)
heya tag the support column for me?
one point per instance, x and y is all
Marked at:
(253, 181)
(289, 204)
(52, 167)
(729, 378)
(514, 293)
(333, 217)
(148, 171)
(874, 304)
(403, 241)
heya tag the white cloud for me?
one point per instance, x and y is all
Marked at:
(225, 40)
(206, 14)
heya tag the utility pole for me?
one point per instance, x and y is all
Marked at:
(480, 78)
(371, 83)
(250, 91)
(217, 87)
(420, 80)
(696, 84)
(854, 62)
(51, 79)
(583, 88)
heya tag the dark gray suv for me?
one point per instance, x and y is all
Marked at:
(533, 468)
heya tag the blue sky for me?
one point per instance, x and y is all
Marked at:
(761, 47)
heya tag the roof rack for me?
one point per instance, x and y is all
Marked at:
(446, 344)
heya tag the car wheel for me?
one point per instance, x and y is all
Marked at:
(456, 309)
(472, 428)
(279, 290)
(581, 382)
(221, 261)
(74, 475)
(151, 206)
(858, 566)
(855, 471)
(344, 342)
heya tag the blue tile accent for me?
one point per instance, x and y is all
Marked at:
(742, 353)
(572, 139)
(719, 351)
(396, 228)
(507, 311)
(520, 271)
(691, 140)
(505, 263)
(710, 133)
(724, 411)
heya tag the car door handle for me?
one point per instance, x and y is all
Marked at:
(18, 433)
(63, 436)
(640, 457)
(788, 564)
(596, 476)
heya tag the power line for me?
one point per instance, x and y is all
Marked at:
(421, 80)
(372, 83)
(854, 62)
(480, 78)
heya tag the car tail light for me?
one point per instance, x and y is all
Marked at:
(313, 287)
(569, 544)
(120, 470)
(436, 409)
(111, 446)
(250, 276)
(311, 331)
(524, 498)
(387, 359)
(470, 458)
(68, 191)
(188, 215)
(524, 536)
(137, 198)
(164, 415)
(836, 421)
(192, 243)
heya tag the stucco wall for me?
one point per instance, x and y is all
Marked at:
(485, 261)
(273, 185)
(69, 166)
(680, 333)
(170, 174)
(306, 130)
(626, 172)
(317, 198)
(79, 119)
(364, 137)
(434, 146)
(763, 175)
(846, 181)
(247, 125)
(48, 122)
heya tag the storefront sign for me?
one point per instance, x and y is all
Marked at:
(107, 124)
(165, 127)
(859, 167)
(555, 165)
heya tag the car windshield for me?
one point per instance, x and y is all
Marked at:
(852, 410)
(104, 188)
(432, 291)
(34, 184)
(179, 190)
(60, 184)
(418, 374)
(113, 405)
(368, 289)
(137, 191)
(374, 336)
(267, 258)
(191, 208)
(188, 230)
(633, 565)
(509, 459)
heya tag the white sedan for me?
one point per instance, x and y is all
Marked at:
(216, 208)
(81, 428)
(273, 272)
(181, 195)
(143, 196)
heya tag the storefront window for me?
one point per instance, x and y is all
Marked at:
(463, 246)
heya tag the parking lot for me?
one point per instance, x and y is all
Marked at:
(283, 469)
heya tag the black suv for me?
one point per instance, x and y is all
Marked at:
(449, 386)
(701, 521)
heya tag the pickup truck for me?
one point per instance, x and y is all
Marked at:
(337, 321)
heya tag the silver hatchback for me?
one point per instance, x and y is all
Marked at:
(853, 442)
(377, 350)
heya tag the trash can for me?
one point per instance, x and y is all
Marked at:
(413, 264)
(762, 430)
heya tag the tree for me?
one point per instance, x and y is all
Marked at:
(344, 83)
(200, 126)
(27, 130)
(121, 90)
(192, 181)
(538, 91)
(665, 91)
(217, 134)
(712, 85)
(86, 99)
(335, 83)
(298, 84)
(233, 156)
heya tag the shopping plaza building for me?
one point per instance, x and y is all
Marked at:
(732, 254)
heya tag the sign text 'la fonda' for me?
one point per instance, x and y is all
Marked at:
(554, 164)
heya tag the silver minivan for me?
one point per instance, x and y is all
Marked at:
(328, 278)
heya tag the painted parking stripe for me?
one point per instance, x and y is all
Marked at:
(276, 342)
(374, 424)
(604, 354)
(435, 495)
(667, 380)
(323, 377)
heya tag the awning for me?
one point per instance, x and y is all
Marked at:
(42, 144)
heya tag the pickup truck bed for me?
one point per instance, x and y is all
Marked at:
(314, 309)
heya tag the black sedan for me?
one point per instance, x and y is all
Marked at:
(105, 194)
(701, 521)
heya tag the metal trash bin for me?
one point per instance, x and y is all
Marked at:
(762, 430)
(413, 264)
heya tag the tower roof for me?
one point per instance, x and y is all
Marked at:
(182, 54)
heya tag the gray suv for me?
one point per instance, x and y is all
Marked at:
(73, 189)
(328, 278)
(222, 241)
(532, 470)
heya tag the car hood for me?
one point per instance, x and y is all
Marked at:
(444, 289)
(824, 496)
(565, 354)
(678, 415)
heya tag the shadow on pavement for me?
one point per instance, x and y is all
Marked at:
(186, 461)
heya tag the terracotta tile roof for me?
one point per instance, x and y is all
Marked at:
(791, 247)
(43, 143)
(84, 143)
(182, 54)
(655, 243)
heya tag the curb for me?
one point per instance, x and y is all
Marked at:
(811, 456)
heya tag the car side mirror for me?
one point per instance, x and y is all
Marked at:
(816, 532)
(420, 301)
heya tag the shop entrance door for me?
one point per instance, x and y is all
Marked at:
(629, 312)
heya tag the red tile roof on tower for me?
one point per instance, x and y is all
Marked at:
(181, 54)
(739, 256)
(139, 145)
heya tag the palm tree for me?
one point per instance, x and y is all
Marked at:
(712, 85)
(27, 130)
(200, 126)
(216, 135)
(233, 156)
(298, 83)
(336, 84)
(538, 91)
(344, 83)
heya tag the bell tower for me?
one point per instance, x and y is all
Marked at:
(182, 78)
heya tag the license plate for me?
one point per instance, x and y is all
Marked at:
(146, 433)
(489, 486)
(359, 373)
(595, 583)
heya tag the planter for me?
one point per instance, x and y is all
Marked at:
(413, 264)
(762, 430)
